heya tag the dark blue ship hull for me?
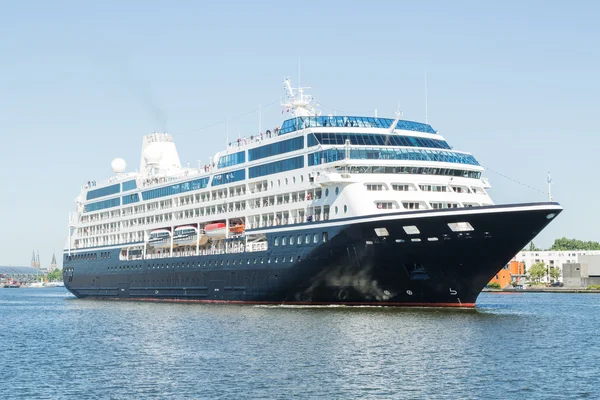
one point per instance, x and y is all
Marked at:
(354, 266)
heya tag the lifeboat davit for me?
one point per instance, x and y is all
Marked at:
(216, 230)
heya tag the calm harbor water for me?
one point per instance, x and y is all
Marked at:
(521, 345)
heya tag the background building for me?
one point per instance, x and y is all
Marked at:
(512, 272)
(553, 259)
(584, 273)
(19, 274)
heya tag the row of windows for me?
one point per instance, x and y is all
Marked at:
(276, 167)
(229, 177)
(101, 205)
(375, 140)
(375, 187)
(298, 123)
(232, 159)
(129, 185)
(84, 256)
(298, 239)
(273, 149)
(331, 155)
(175, 189)
(105, 191)
(433, 188)
(401, 188)
(210, 263)
(444, 205)
(131, 198)
(367, 169)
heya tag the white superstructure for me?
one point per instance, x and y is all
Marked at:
(312, 168)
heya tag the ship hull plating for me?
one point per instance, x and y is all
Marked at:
(353, 262)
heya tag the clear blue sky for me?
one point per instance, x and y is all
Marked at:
(514, 82)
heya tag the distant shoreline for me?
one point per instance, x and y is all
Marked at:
(544, 290)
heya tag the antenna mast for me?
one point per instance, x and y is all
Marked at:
(299, 85)
(549, 187)
(426, 96)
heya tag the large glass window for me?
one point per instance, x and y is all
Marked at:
(129, 185)
(276, 148)
(131, 198)
(331, 155)
(175, 189)
(298, 123)
(378, 169)
(361, 139)
(229, 177)
(276, 167)
(232, 159)
(311, 140)
(105, 191)
(100, 205)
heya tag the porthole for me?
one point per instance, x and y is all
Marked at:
(283, 240)
(278, 182)
(294, 179)
(291, 259)
(276, 259)
(299, 239)
(271, 184)
(307, 238)
(315, 238)
(291, 240)
(337, 190)
(326, 192)
(345, 209)
(276, 241)
(286, 181)
(301, 178)
(336, 210)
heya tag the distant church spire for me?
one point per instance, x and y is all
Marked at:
(53, 263)
(33, 259)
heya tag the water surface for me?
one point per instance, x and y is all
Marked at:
(517, 345)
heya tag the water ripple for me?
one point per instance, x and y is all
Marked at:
(535, 346)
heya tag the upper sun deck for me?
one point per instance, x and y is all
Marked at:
(298, 123)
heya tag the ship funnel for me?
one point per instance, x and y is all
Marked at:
(159, 154)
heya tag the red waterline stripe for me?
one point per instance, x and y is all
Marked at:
(293, 303)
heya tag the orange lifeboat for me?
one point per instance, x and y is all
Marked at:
(239, 228)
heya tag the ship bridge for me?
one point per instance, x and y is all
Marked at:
(298, 123)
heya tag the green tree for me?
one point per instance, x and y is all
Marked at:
(574, 244)
(532, 247)
(537, 271)
(555, 272)
(55, 275)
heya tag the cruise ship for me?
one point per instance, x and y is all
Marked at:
(321, 210)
